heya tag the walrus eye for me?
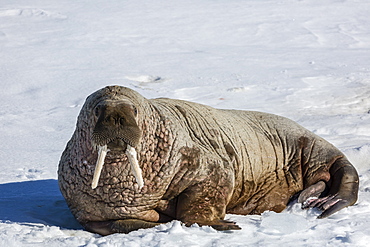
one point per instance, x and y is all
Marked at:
(135, 110)
(122, 121)
(97, 111)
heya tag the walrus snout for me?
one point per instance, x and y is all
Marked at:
(116, 122)
(116, 130)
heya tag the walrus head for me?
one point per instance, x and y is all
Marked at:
(116, 130)
(116, 125)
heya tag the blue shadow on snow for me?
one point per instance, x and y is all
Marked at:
(37, 201)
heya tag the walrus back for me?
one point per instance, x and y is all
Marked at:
(265, 150)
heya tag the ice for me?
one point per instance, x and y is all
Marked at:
(283, 223)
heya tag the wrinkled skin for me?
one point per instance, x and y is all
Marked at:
(198, 163)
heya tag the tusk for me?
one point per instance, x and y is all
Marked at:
(135, 168)
(102, 152)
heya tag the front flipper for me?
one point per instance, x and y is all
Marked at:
(117, 226)
(222, 225)
(343, 190)
(219, 225)
(204, 206)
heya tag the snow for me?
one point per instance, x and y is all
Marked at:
(306, 60)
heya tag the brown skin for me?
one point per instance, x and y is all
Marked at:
(198, 164)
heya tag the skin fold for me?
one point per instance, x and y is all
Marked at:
(198, 163)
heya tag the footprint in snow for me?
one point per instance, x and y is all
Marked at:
(31, 12)
(145, 80)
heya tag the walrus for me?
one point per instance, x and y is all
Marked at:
(135, 163)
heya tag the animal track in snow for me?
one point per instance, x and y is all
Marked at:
(238, 89)
(29, 173)
(31, 12)
(145, 79)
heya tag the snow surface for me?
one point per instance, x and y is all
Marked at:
(304, 59)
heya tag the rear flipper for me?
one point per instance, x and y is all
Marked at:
(117, 226)
(342, 190)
